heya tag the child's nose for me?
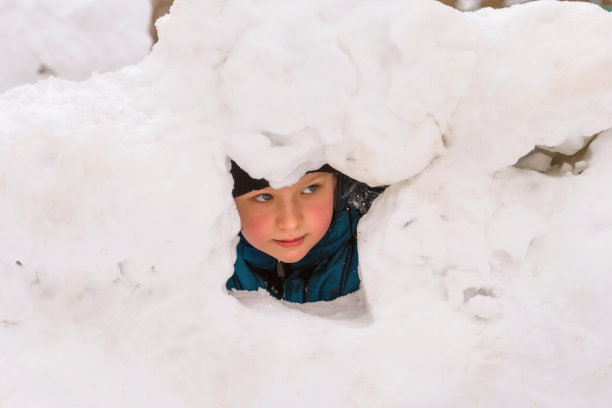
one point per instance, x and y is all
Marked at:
(289, 216)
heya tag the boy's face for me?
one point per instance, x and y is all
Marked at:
(288, 222)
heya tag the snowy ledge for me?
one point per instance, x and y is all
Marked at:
(484, 283)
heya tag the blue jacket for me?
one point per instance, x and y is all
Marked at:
(328, 270)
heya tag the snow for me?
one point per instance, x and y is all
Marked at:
(484, 284)
(70, 38)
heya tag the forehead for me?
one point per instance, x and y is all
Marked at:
(308, 178)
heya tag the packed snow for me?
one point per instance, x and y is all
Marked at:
(70, 38)
(484, 283)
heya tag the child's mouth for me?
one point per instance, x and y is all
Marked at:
(290, 244)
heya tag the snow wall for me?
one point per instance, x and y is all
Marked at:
(483, 284)
(70, 38)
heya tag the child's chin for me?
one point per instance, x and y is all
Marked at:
(291, 258)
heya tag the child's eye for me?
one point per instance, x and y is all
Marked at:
(310, 189)
(263, 197)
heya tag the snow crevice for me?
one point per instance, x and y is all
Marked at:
(566, 158)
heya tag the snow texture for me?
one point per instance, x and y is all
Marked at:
(70, 38)
(484, 284)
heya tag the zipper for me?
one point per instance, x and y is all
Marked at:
(349, 254)
(282, 270)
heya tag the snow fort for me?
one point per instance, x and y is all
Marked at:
(485, 266)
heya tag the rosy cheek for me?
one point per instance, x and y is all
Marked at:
(321, 216)
(255, 230)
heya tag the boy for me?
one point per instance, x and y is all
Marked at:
(297, 242)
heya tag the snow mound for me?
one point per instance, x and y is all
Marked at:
(70, 38)
(484, 283)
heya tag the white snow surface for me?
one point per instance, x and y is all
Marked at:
(483, 284)
(70, 38)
